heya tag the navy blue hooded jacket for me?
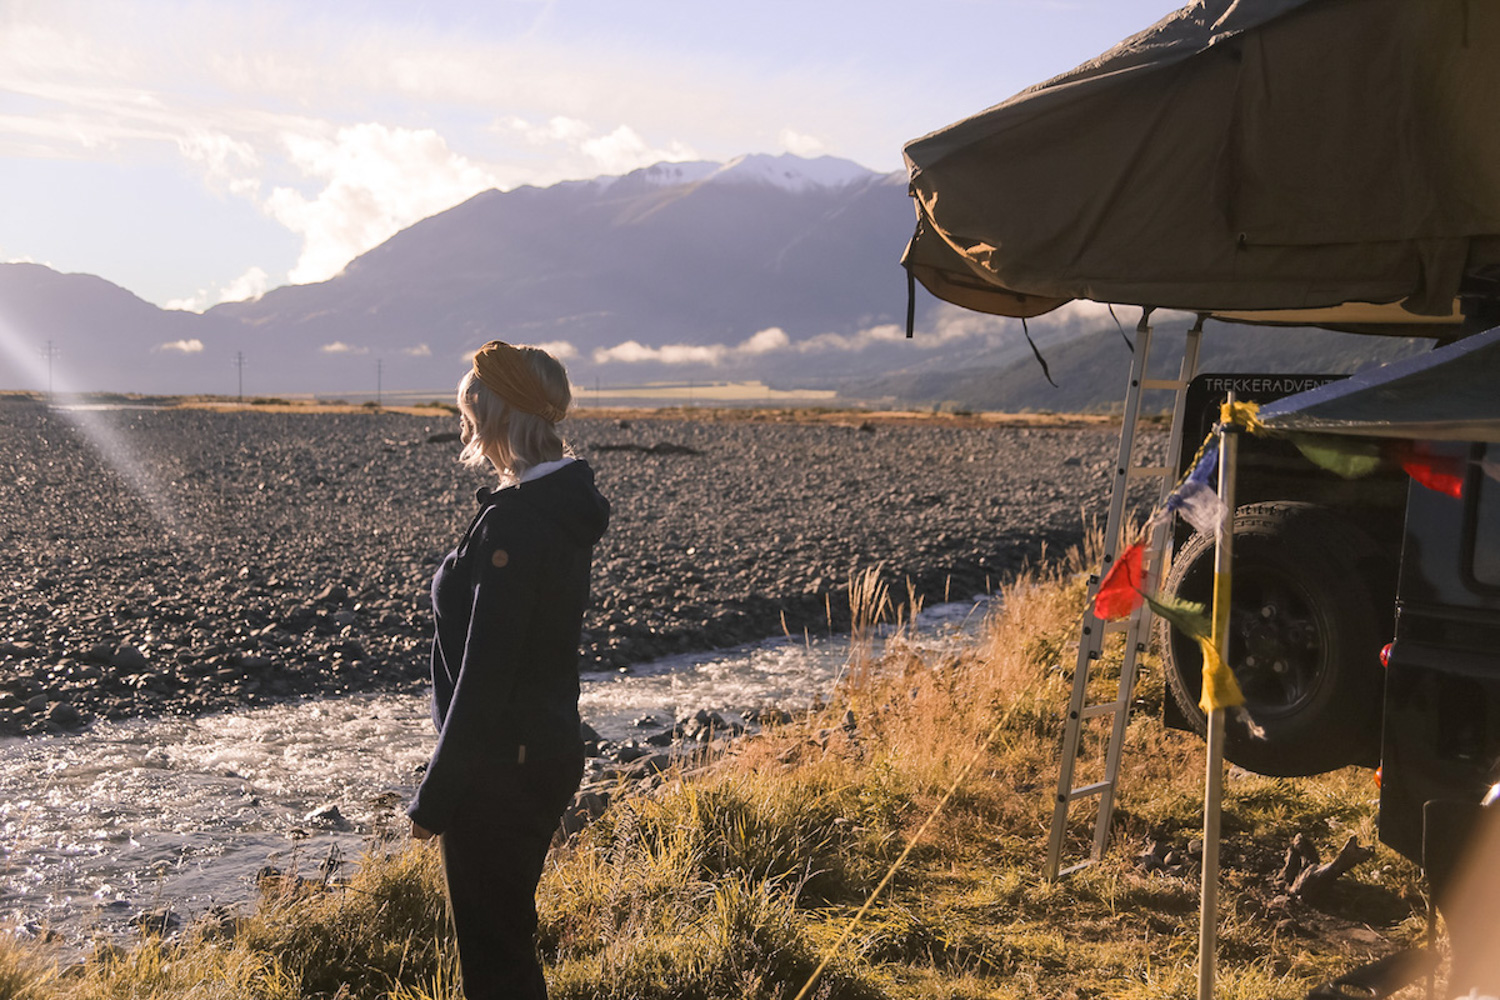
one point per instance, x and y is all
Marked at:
(508, 604)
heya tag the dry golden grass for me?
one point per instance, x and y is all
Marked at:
(737, 881)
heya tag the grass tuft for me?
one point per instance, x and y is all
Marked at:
(738, 880)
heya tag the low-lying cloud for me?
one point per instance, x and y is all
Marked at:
(250, 285)
(192, 346)
(948, 325)
(767, 341)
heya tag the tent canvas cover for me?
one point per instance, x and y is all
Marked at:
(1328, 162)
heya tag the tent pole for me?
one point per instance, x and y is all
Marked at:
(1214, 785)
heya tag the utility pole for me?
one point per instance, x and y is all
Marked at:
(239, 365)
(379, 379)
(51, 352)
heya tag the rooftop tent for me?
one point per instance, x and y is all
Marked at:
(1449, 394)
(1328, 162)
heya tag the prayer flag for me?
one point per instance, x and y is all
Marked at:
(1188, 617)
(1348, 457)
(1220, 689)
(1195, 499)
(1443, 473)
(1120, 593)
(1199, 506)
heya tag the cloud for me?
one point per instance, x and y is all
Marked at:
(948, 325)
(634, 352)
(377, 180)
(623, 150)
(884, 334)
(229, 164)
(559, 349)
(339, 347)
(250, 285)
(420, 351)
(193, 346)
(801, 145)
(556, 129)
(589, 153)
(765, 341)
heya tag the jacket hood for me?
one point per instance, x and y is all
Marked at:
(568, 497)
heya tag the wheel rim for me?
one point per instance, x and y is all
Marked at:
(1277, 642)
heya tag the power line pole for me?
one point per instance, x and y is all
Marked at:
(51, 352)
(239, 365)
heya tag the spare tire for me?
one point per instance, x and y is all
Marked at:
(1310, 608)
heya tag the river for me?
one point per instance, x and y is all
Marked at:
(179, 814)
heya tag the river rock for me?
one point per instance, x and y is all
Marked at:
(328, 817)
(263, 527)
(64, 716)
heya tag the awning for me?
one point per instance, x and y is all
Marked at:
(1449, 394)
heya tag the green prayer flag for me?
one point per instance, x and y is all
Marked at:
(1188, 617)
(1343, 456)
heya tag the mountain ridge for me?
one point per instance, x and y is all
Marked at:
(772, 268)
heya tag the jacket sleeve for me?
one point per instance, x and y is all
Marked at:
(504, 556)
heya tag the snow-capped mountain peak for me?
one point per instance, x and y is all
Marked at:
(790, 172)
(671, 174)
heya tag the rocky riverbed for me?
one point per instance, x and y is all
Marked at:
(187, 560)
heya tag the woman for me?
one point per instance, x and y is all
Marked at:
(508, 603)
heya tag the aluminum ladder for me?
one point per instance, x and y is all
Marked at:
(1137, 628)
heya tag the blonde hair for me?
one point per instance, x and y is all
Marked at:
(507, 438)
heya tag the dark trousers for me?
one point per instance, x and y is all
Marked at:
(493, 853)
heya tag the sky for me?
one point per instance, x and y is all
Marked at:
(198, 151)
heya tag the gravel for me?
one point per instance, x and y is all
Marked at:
(180, 560)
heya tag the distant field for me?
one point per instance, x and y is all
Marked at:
(612, 405)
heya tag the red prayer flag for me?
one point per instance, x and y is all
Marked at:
(1444, 473)
(1120, 593)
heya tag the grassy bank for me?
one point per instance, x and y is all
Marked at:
(738, 878)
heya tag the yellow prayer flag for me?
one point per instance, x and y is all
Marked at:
(1220, 689)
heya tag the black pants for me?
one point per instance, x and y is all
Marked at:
(492, 856)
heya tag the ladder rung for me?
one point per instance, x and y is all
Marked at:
(1103, 708)
(1142, 471)
(1084, 791)
(1163, 383)
(1075, 868)
(1119, 626)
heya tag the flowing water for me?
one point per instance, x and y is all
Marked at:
(180, 814)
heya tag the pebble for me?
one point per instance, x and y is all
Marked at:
(228, 559)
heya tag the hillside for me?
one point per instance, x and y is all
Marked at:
(1091, 369)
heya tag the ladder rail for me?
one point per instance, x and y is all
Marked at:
(1138, 627)
(1090, 643)
(1139, 635)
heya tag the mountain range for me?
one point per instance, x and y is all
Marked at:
(778, 269)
